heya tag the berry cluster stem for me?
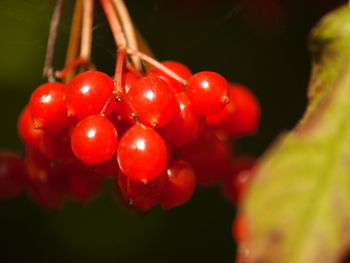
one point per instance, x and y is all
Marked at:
(55, 20)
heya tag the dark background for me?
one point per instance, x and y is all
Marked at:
(260, 43)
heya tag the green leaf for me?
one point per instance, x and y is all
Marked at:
(298, 207)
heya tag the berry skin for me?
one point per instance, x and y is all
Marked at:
(12, 174)
(207, 92)
(46, 180)
(141, 196)
(88, 92)
(180, 185)
(186, 125)
(56, 146)
(236, 183)
(27, 131)
(94, 140)
(180, 69)
(83, 182)
(142, 153)
(48, 107)
(209, 157)
(153, 100)
(241, 116)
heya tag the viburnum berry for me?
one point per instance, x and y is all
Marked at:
(46, 180)
(48, 107)
(27, 131)
(185, 126)
(209, 156)
(237, 182)
(208, 92)
(87, 94)
(180, 69)
(56, 146)
(12, 175)
(241, 116)
(141, 196)
(180, 184)
(84, 183)
(153, 100)
(142, 153)
(94, 140)
(128, 81)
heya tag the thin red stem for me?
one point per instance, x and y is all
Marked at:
(114, 23)
(76, 63)
(51, 44)
(157, 64)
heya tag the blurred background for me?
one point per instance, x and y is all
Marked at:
(259, 43)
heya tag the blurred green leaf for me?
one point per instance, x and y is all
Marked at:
(298, 207)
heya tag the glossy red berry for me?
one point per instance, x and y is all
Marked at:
(128, 81)
(88, 92)
(48, 107)
(186, 125)
(94, 140)
(153, 100)
(180, 69)
(142, 153)
(180, 185)
(241, 116)
(12, 174)
(27, 131)
(141, 196)
(208, 92)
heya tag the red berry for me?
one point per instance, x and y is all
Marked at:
(88, 92)
(236, 183)
(12, 174)
(56, 146)
(180, 185)
(83, 182)
(142, 153)
(47, 181)
(139, 195)
(180, 69)
(153, 100)
(128, 81)
(48, 107)
(209, 156)
(207, 92)
(94, 140)
(239, 117)
(186, 125)
(26, 130)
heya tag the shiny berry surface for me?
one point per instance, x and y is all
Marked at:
(180, 69)
(139, 195)
(142, 153)
(180, 185)
(208, 92)
(94, 140)
(12, 174)
(27, 131)
(186, 125)
(153, 100)
(48, 107)
(88, 92)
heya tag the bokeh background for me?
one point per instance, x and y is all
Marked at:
(259, 43)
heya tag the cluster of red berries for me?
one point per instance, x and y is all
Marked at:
(160, 139)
